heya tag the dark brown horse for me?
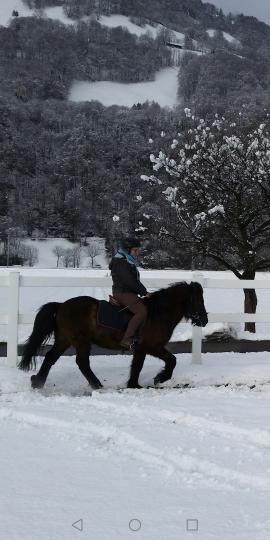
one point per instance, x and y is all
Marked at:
(74, 323)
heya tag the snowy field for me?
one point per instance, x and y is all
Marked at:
(231, 39)
(47, 258)
(161, 457)
(165, 460)
(113, 21)
(163, 90)
(7, 6)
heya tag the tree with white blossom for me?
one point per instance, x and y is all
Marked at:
(216, 176)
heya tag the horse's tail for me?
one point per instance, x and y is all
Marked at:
(44, 325)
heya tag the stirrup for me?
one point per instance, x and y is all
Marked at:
(132, 346)
(113, 301)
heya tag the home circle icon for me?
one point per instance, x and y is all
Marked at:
(135, 525)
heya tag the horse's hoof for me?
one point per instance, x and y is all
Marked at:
(96, 386)
(161, 378)
(134, 386)
(36, 382)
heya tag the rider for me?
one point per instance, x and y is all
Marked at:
(127, 286)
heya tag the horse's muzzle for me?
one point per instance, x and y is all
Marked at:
(199, 320)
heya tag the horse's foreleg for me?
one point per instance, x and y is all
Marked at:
(50, 359)
(82, 361)
(170, 363)
(135, 369)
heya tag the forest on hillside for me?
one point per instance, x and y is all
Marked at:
(66, 169)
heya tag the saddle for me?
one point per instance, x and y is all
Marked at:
(113, 315)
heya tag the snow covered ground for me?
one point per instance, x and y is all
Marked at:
(158, 456)
(113, 21)
(6, 8)
(163, 90)
(57, 13)
(47, 259)
(161, 457)
(231, 39)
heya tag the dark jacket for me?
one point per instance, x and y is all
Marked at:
(125, 276)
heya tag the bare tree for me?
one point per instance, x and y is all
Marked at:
(93, 250)
(76, 255)
(70, 257)
(28, 254)
(12, 242)
(59, 252)
(67, 258)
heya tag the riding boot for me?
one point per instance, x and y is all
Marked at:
(139, 311)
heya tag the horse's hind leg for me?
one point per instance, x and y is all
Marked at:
(170, 363)
(50, 359)
(82, 361)
(135, 369)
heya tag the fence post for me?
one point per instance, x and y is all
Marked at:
(197, 330)
(13, 315)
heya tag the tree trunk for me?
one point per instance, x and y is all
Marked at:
(250, 301)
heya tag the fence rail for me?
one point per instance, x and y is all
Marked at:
(15, 280)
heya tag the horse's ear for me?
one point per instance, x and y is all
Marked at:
(195, 285)
(196, 288)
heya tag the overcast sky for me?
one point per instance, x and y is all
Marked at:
(257, 8)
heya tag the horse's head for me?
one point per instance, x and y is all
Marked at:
(195, 309)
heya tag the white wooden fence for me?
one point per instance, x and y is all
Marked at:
(14, 280)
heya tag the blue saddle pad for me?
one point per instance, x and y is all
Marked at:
(112, 316)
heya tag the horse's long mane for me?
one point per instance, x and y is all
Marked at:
(161, 300)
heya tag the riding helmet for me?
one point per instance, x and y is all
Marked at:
(130, 242)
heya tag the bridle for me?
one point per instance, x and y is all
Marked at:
(195, 318)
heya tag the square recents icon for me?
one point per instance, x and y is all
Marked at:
(192, 525)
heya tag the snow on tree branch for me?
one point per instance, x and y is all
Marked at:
(216, 176)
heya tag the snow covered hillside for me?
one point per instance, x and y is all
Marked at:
(7, 6)
(167, 461)
(113, 21)
(231, 39)
(163, 90)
